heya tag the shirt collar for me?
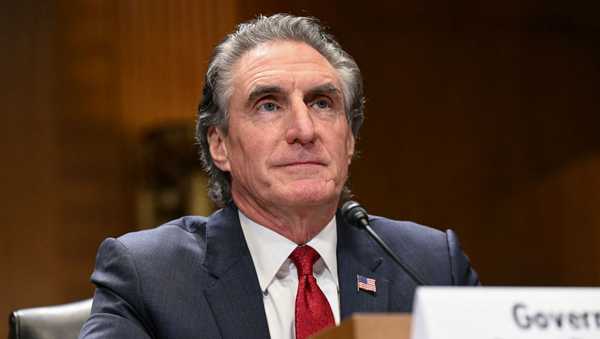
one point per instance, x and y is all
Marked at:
(268, 259)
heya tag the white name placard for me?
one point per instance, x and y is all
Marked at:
(506, 313)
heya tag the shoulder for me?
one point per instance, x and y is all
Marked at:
(437, 254)
(142, 276)
(414, 235)
(176, 240)
(138, 265)
(169, 236)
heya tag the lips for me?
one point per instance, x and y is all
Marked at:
(301, 163)
(303, 158)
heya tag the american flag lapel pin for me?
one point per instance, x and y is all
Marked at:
(366, 284)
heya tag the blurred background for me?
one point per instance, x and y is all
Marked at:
(482, 117)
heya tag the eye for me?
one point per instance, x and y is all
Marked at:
(268, 106)
(322, 103)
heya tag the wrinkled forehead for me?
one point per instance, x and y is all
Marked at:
(280, 61)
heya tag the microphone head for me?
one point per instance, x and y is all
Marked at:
(354, 213)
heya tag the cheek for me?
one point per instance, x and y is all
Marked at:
(248, 157)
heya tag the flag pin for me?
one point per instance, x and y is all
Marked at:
(366, 284)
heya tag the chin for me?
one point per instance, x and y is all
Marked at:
(311, 195)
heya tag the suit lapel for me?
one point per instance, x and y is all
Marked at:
(234, 295)
(357, 257)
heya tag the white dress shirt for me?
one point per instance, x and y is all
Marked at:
(278, 277)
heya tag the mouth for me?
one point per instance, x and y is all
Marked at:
(302, 163)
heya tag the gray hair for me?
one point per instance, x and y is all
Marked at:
(212, 111)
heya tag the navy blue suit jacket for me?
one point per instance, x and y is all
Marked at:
(194, 277)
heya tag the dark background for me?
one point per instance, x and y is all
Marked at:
(482, 117)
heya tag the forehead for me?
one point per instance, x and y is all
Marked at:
(284, 63)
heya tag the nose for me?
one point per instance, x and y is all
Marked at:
(301, 128)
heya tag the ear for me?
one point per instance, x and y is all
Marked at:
(350, 146)
(218, 149)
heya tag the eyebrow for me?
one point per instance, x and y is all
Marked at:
(260, 91)
(327, 88)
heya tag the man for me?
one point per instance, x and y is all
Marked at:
(277, 126)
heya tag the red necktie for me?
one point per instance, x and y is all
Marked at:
(313, 312)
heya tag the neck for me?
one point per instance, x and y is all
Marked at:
(298, 223)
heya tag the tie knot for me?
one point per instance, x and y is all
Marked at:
(304, 257)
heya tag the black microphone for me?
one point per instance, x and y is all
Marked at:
(355, 214)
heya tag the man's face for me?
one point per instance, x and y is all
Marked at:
(288, 143)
